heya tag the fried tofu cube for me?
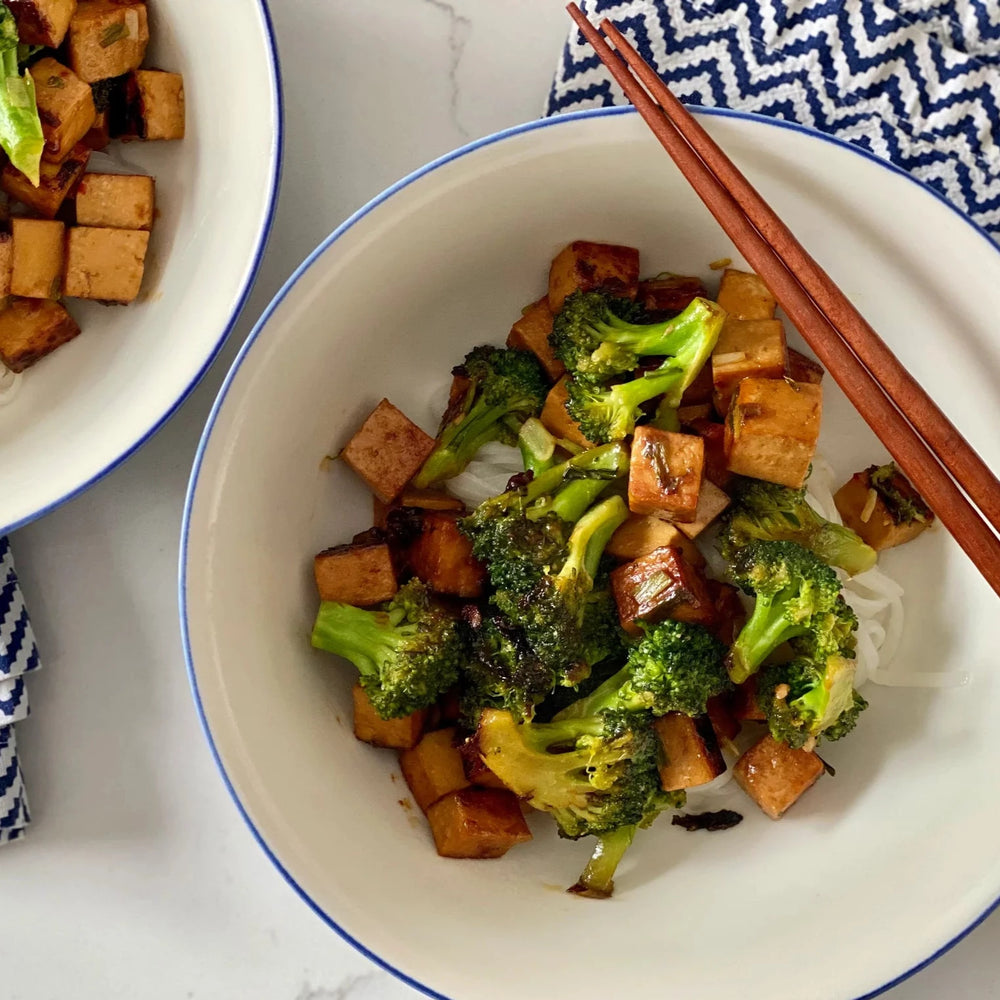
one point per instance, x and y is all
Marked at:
(729, 611)
(557, 420)
(694, 411)
(394, 734)
(116, 201)
(745, 706)
(724, 724)
(584, 266)
(477, 823)
(747, 348)
(665, 474)
(105, 264)
(433, 767)
(56, 180)
(432, 499)
(716, 462)
(159, 111)
(700, 390)
(32, 328)
(531, 333)
(775, 776)
(100, 132)
(42, 22)
(803, 369)
(642, 533)
(65, 107)
(355, 574)
(744, 296)
(387, 451)
(107, 38)
(6, 263)
(711, 503)
(670, 293)
(772, 430)
(442, 557)
(882, 506)
(691, 754)
(38, 258)
(662, 584)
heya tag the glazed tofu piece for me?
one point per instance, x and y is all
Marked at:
(100, 132)
(744, 296)
(32, 328)
(716, 462)
(116, 201)
(557, 421)
(803, 369)
(724, 724)
(700, 390)
(38, 258)
(531, 333)
(665, 474)
(477, 823)
(395, 734)
(775, 776)
(670, 293)
(883, 507)
(431, 499)
(729, 611)
(355, 574)
(387, 451)
(584, 266)
(105, 264)
(747, 348)
(433, 767)
(65, 107)
(442, 557)
(711, 503)
(6, 262)
(642, 533)
(661, 585)
(56, 180)
(691, 754)
(745, 706)
(107, 38)
(772, 430)
(159, 104)
(42, 22)
(695, 411)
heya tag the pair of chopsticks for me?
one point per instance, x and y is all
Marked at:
(920, 438)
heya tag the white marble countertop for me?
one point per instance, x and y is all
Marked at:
(138, 878)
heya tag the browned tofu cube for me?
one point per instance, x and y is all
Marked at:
(747, 348)
(691, 754)
(159, 109)
(531, 333)
(584, 266)
(556, 419)
(882, 506)
(65, 107)
(430, 500)
(56, 180)
(729, 611)
(775, 776)
(744, 296)
(772, 429)
(355, 574)
(100, 132)
(661, 585)
(105, 264)
(694, 411)
(711, 503)
(395, 734)
(38, 258)
(32, 328)
(720, 714)
(665, 474)
(744, 702)
(670, 293)
(107, 38)
(42, 22)
(387, 451)
(433, 767)
(477, 823)
(6, 262)
(116, 201)
(716, 462)
(642, 533)
(442, 557)
(700, 390)
(476, 771)
(803, 369)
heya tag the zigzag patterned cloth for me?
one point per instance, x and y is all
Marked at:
(914, 81)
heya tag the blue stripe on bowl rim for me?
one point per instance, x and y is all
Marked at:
(258, 330)
(277, 156)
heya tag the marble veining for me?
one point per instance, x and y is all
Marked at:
(459, 27)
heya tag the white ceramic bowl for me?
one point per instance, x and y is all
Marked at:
(873, 871)
(90, 404)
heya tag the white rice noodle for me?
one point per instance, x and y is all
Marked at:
(10, 384)
(487, 476)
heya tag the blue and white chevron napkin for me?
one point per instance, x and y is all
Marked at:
(916, 82)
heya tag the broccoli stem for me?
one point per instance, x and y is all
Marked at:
(765, 630)
(666, 418)
(537, 445)
(589, 538)
(597, 880)
(460, 443)
(661, 338)
(605, 462)
(363, 637)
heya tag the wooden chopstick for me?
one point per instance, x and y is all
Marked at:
(869, 398)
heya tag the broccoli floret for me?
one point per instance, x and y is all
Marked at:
(597, 344)
(767, 512)
(806, 699)
(408, 652)
(505, 388)
(831, 633)
(794, 591)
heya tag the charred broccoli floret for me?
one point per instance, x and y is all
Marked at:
(408, 652)
(505, 387)
(768, 512)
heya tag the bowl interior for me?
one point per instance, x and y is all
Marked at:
(862, 880)
(83, 408)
